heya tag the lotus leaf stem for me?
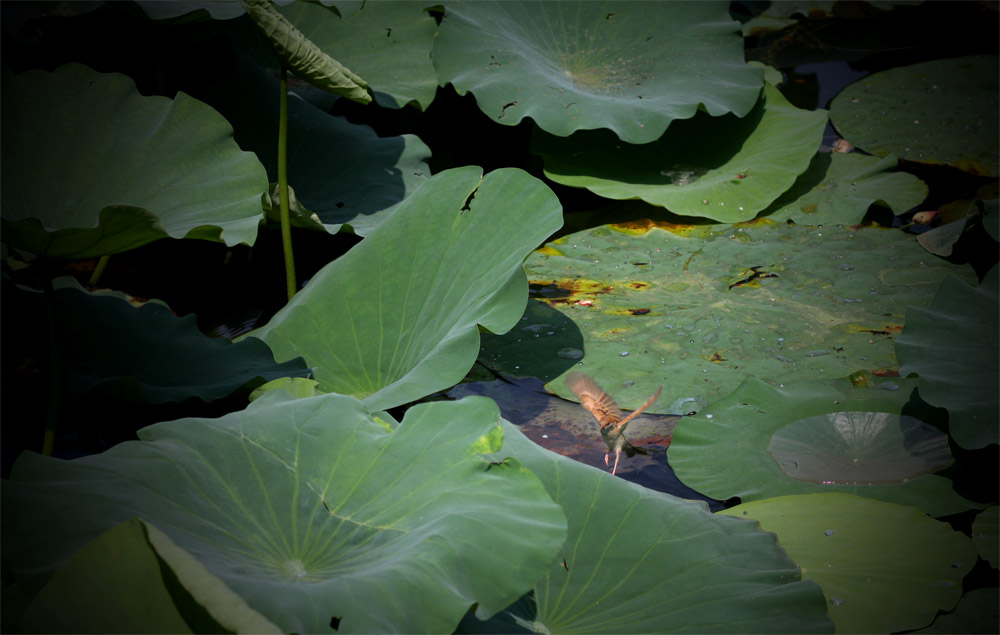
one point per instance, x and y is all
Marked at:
(286, 226)
(102, 264)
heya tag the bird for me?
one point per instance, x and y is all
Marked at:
(608, 414)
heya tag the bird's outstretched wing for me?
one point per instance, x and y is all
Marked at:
(638, 411)
(593, 398)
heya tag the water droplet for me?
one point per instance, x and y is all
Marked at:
(837, 601)
(708, 416)
(545, 436)
(628, 384)
(781, 339)
(623, 354)
(956, 565)
(783, 359)
(888, 385)
(845, 267)
(817, 353)
(570, 353)
(828, 532)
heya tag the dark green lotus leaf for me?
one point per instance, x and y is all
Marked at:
(631, 67)
(311, 510)
(953, 345)
(395, 319)
(638, 561)
(115, 584)
(986, 535)
(727, 169)
(302, 56)
(388, 43)
(976, 612)
(343, 172)
(943, 111)
(838, 189)
(884, 568)
(844, 430)
(215, 10)
(90, 167)
(697, 308)
(147, 353)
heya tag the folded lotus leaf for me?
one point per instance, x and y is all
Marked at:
(303, 57)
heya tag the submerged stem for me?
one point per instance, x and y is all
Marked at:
(286, 226)
(55, 371)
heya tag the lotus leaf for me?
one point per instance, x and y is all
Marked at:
(638, 561)
(395, 319)
(91, 167)
(302, 56)
(838, 188)
(310, 509)
(85, 593)
(727, 169)
(159, 10)
(985, 533)
(953, 345)
(976, 612)
(942, 111)
(115, 584)
(358, 187)
(843, 435)
(388, 43)
(147, 353)
(884, 568)
(630, 67)
(697, 308)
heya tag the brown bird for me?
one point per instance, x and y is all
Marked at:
(608, 414)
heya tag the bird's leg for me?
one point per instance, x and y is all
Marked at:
(618, 455)
(606, 457)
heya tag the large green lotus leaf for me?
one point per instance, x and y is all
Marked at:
(312, 510)
(343, 172)
(90, 167)
(883, 567)
(860, 435)
(388, 43)
(302, 56)
(395, 319)
(726, 169)
(986, 535)
(115, 584)
(638, 561)
(838, 189)
(631, 67)
(943, 111)
(697, 308)
(148, 353)
(953, 345)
